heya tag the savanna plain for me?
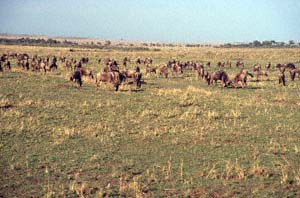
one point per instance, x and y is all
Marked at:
(174, 137)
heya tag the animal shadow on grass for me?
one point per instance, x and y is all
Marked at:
(240, 87)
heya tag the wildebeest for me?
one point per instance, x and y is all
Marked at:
(86, 72)
(208, 64)
(259, 73)
(221, 64)
(240, 64)
(256, 67)
(113, 77)
(281, 77)
(84, 60)
(150, 70)
(163, 70)
(241, 77)
(293, 73)
(268, 66)
(176, 69)
(218, 75)
(76, 77)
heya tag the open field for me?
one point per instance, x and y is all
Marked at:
(175, 137)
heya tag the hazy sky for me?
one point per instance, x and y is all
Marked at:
(155, 20)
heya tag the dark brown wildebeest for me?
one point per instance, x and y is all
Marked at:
(163, 70)
(114, 78)
(99, 61)
(290, 66)
(135, 75)
(281, 77)
(150, 70)
(221, 64)
(7, 65)
(84, 60)
(138, 61)
(1, 69)
(241, 77)
(208, 64)
(76, 77)
(293, 73)
(218, 75)
(240, 64)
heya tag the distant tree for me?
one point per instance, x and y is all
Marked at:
(291, 42)
(256, 43)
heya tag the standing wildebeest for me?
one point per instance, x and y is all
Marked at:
(199, 68)
(125, 60)
(240, 64)
(176, 68)
(241, 77)
(138, 61)
(208, 64)
(76, 77)
(293, 73)
(163, 70)
(256, 67)
(260, 73)
(218, 75)
(221, 64)
(268, 66)
(281, 77)
(86, 72)
(1, 69)
(150, 70)
(135, 75)
(115, 78)
(84, 60)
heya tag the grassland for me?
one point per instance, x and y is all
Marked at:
(176, 137)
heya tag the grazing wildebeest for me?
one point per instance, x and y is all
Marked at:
(115, 78)
(208, 64)
(163, 70)
(150, 70)
(290, 66)
(218, 75)
(239, 64)
(241, 77)
(293, 73)
(76, 77)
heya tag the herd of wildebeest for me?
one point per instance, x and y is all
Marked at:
(112, 74)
